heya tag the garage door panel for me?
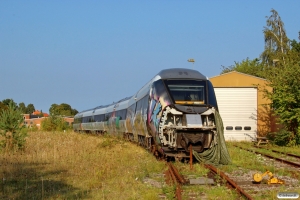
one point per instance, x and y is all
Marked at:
(237, 107)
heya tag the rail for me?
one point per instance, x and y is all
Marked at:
(229, 181)
(272, 157)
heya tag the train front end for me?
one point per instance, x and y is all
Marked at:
(181, 113)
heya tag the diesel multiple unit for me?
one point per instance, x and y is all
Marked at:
(173, 112)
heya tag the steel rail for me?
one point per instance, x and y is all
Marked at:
(177, 174)
(176, 178)
(272, 157)
(289, 154)
(229, 181)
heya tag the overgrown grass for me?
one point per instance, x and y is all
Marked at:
(58, 165)
(243, 161)
(293, 150)
(76, 166)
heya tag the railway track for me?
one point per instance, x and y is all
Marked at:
(229, 181)
(297, 165)
(174, 177)
(280, 152)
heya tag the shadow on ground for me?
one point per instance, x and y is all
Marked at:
(34, 181)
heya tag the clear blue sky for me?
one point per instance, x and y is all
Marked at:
(90, 53)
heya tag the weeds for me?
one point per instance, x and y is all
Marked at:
(67, 165)
(75, 166)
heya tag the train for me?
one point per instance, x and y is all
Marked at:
(172, 114)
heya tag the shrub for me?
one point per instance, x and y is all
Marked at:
(12, 128)
(282, 138)
(54, 123)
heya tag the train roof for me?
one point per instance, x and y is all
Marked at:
(173, 73)
(105, 106)
(181, 73)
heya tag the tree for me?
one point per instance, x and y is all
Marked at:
(22, 107)
(52, 109)
(253, 67)
(295, 51)
(7, 101)
(11, 126)
(282, 71)
(30, 108)
(285, 97)
(276, 40)
(62, 110)
(3, 106)
(296, 45)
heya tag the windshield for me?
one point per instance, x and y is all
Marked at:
(187, 91)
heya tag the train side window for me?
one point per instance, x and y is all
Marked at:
(97, 118)
(85, 119)
(229, 128)
(107, 116)
(238, 128)
(121, 114)
(247, 128)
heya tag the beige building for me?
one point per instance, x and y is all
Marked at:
(243, 108)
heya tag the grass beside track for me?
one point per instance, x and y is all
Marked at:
(79, 166)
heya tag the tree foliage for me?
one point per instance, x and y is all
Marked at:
(22, 107)
(11, 128)
(285, 96)
(253, 67)
(30, 108)
(279, 64)
(62, 110)
(54, 123)
(276, 40)
(282, 71)
(3, 106)
(296, 45)
(8, 101)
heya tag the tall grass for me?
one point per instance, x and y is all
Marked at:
(68, 165)
(76, 166)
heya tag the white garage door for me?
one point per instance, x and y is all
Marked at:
(238, 107)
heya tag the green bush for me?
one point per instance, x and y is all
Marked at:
(12, 128)
(282, 138)
(54, 123)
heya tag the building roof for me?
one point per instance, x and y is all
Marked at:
(239, 73)
(37, 112)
